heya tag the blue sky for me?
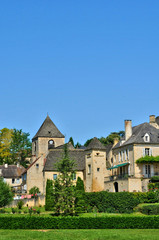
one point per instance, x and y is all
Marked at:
(89, 64)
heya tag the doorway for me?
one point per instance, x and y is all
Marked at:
(116, 186)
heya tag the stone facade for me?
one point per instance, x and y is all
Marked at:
(112, 168)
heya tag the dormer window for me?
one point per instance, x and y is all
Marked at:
(146, 137)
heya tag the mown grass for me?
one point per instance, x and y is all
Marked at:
(92, 234)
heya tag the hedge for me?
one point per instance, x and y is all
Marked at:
(149, 209)
(112, 222)
(122, 202)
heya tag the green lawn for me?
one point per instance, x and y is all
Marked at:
(92, 234)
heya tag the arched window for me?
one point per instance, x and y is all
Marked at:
(51, 144)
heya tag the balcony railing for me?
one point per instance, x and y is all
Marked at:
(117, 177)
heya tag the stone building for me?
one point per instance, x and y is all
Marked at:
(11, 174)
(112, 168)
(139, 141)
(47, 149)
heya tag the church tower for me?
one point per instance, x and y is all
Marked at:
(47, 137)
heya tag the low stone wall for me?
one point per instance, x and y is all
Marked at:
(31, 202)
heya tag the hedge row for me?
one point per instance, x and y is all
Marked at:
(149, 209)
(122, 202)
(112, 222)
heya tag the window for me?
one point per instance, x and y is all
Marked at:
(74, 176)
(147, 151)
(98, 169)
(13, 180)
(89, 168)
(37, 166)
(50, 144)
(126, 154)
(54, 176)
(35, 147)
(17, 180)
(146, 137)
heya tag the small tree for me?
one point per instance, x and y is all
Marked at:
(80, 202)
(63, 189)
(6, 195)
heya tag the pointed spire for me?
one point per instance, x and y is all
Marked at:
(48, 129)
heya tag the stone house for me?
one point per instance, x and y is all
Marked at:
(139, 141)
(12, 175)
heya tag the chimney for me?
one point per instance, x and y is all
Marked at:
(128, 129)
(6, 165)
(152, 119)
(116, 140)
(18, 165)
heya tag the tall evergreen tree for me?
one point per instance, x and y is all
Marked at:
(64, 189)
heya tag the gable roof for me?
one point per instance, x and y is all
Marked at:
(48, 129)
(138, 133)
(56, 155)
(95, 144)
(11, 171)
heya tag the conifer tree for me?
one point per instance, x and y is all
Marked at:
(64, 189)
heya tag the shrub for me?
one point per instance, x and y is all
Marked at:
(149, 209)
(122, 202)
(20, 204)
(2, 210)
(154, 179)
(13, 210)
(38, 211)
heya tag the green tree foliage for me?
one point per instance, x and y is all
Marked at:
(71, 140)
(109, 139)
(78, 145)
(148, 159)
(64, 189)
(6, 195)
(34, 190)
(20, 147)
(5, 140)
(80, 202)
(49, 197)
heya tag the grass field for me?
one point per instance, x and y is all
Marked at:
(112, 234)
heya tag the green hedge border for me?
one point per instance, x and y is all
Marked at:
(112, 222)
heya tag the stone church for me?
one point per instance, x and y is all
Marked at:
(111, 168)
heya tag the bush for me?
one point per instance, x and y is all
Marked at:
(6, 195)
(13, 210)
(2, 210)
(118, 222)
(122, 202)
(20, 204)
(149, 209)
(154, 179)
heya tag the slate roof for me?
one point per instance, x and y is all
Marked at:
(108, 148)
(138, 132)
(12, 171)
(69, 146)
(48, 129)
(95, 144)
(55, 155)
